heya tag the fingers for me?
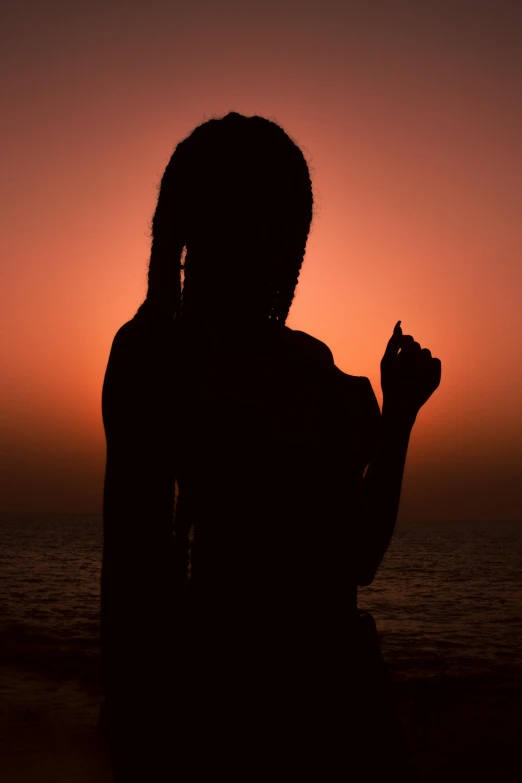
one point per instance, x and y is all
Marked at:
(399, 342)
(408, 344)
(394, 343)
(409, 349)
(437, 370)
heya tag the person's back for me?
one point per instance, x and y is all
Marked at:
(272, 444)
(237, 522)
(279, 442)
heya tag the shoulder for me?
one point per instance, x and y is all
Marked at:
(361, 387)
(359, 383)
(139, 380)
(137, 353)
(136, 331)
(125, 337)
(128, 339)
(357, 388)
(315, 350)
(122, 359)
(144, 340)
(308, 348)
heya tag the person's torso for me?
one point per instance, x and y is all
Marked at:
(273, 452)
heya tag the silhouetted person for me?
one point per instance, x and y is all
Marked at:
(238, 516)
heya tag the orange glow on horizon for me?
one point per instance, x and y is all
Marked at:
(416, 169)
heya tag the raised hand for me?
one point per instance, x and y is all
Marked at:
(409, 374)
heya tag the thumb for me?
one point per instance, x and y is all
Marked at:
(394, 343)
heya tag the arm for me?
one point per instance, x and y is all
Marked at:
(137, 588)
(408, 379)
(139, 485)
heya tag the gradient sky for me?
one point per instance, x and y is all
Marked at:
(410, 115)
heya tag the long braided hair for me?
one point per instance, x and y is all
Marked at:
(229, 235)
(236, 202)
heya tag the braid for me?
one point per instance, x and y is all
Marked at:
(203, 185)
(228, 172)
(163, 298)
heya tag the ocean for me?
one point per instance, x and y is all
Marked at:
(447, 599)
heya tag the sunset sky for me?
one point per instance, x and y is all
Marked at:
(410, 115)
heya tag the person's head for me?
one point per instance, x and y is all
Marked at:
(236, 201)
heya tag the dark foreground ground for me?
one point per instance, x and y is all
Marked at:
(455, 730)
